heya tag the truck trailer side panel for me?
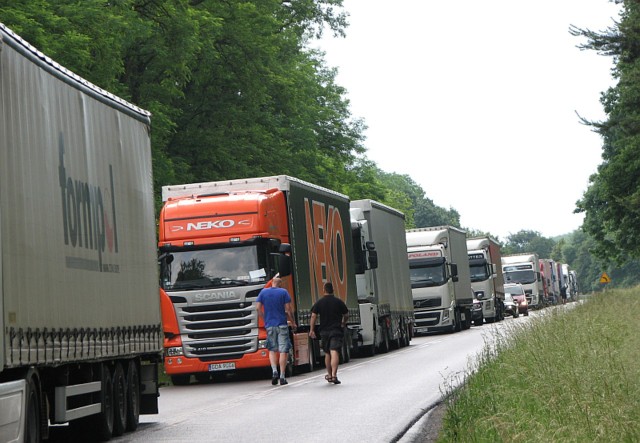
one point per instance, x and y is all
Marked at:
(391, 279)
(78, 272)
(322, 246)
(76, 199)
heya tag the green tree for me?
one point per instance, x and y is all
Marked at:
(611, 204)
(529, 241)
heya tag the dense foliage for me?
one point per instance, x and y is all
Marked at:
(233, 86)
(612, 201)
(235, 91)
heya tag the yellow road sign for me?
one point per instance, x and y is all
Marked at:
(604, 278)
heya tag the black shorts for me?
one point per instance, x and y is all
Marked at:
(333, 339)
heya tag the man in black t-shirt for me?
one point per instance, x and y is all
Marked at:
(333, 320)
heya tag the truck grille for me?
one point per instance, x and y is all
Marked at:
(219, 331)
(435, 302)
(426, 319)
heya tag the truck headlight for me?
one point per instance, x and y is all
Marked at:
(262, 344)
(174, 352)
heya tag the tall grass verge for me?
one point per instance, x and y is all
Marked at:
(570, 375)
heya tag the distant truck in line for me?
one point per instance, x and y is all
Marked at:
(221, 242)
(79, 308)
(549, 273)
(525, 269)
(487, 281)
(440, 279)
(382, 277)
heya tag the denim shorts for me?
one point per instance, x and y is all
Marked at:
(278, 339)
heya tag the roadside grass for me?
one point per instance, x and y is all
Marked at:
(571, 375)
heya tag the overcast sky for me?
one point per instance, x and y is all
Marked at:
(477, 101)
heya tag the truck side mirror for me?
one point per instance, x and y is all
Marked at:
(167, 257)
(371, 246)
(373, 259)
(494, 270)
(284, 260)
(454, 272)
(284, 265)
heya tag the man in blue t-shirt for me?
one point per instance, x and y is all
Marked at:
(274, 306)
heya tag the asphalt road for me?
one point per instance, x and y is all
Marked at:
(386, 398)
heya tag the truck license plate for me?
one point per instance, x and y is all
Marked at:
(221, 366)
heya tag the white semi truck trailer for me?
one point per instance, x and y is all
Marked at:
(384, 287)
(79, 306)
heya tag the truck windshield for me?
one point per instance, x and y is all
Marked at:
(478, 272)
(523, 277)
(424, 276)
(213, 268)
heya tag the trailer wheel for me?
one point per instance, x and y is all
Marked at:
(290, 364)
(32, 418)
(101, 424)
(384, 345)
(407, 334)
(368, 351)
(133, 396)
(312, 357)
(345, 355)
(119, 401)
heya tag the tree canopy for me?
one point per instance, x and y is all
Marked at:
(233, 87)
(611, 204)
(235, 90)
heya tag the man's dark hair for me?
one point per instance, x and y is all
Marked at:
(328, 288)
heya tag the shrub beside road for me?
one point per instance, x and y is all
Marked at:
(570, 375)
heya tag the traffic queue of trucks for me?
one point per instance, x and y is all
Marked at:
(77, 246)
(556, 276)
(84, 333)
(544, 280)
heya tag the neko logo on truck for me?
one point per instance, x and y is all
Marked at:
(206, 225)
(326, 247)
(88, 221)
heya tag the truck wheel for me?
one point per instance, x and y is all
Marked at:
(457, 327)
(312, 358)
(478, 322)
(101, 424)
(288, 371)
(133, 396)
(203, 377)
(346, 350)
(119, 401)
(466, 324)
(404, 335)
(369, 351)
(32, 417)
(384, 345)
(180, 379)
